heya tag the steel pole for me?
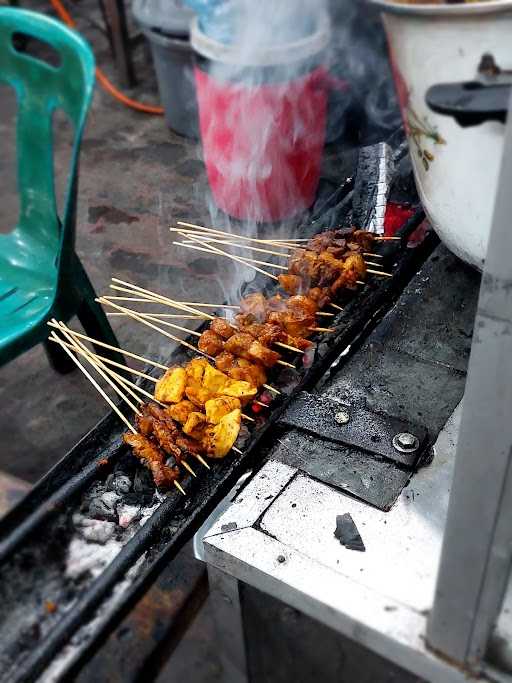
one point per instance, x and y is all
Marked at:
(477, 544)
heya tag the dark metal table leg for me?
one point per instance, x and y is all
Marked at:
(115, 15)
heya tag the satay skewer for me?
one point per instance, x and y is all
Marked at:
(147, 361)
(55, 338)
(147, 317)
(126, 384)
(191, 245)
(242, 260)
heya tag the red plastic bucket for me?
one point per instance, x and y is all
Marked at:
(262, 125)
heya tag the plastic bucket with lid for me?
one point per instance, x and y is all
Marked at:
(262, 120)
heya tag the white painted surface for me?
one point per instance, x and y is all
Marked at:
(458, 189)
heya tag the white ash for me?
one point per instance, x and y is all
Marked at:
(90, 557)
(70, 652)
(127, 514)
(95, 530)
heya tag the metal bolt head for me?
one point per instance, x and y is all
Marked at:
(342, 417)
(404, 442)
(281, 559)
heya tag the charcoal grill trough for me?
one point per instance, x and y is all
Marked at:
(68, 577)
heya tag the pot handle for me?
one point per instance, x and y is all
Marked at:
(470, 103)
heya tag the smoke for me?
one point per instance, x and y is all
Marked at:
(369, 107)
(283, 77)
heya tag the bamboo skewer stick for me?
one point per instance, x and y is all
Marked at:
(384, 238)
(125, 383)
(369, 253)
(167, 316)
(149, 316)
(228, 235)
(89, 356)
(159, 297)
(103, 301)
(339, 308)
(271, 388)
(115, 348)
(191, 246)
(104, 360)
(147, 299)
(227, 242)
(95, 384)
(325, 314)
(147, 361)
(321, 329)
(235, 258)
(378, 272)
(243, 258)
(371, 263)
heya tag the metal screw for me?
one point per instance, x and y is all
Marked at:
(281, 559)
(342, 417)
(405, 442)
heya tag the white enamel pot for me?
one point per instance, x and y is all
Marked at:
(438, 53)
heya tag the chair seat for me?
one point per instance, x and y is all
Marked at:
(26, 299)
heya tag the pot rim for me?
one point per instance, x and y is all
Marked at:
(428, 9)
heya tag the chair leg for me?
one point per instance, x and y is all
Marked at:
(58, 358)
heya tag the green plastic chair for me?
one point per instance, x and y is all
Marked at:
(41, 276)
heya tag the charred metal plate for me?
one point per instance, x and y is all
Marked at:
(372, 479)
(354, 426)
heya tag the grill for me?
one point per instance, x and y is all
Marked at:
(68, 577)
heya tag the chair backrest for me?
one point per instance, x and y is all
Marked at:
(41, 89)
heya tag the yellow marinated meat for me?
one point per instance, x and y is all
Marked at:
(216, 408)
(220, 438)
(195, 368)
(214, 380)
(180, 411)
(197, 394)
(170, 387)
(194, 426)
(239, 389)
